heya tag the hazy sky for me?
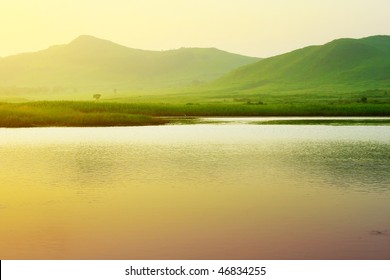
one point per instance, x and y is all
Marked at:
(253, 27)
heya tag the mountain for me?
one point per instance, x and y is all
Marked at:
(343, 62)
(91, 63)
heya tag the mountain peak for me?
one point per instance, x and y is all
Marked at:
(87, 39)
(90, 62)
(91, 43)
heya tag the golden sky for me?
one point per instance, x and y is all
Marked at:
(253, 27)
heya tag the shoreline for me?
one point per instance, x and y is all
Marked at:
(337, 121)
(106, 114)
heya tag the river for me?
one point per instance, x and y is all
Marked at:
(207, 191)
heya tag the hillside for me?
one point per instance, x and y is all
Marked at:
(342, 63)
(92, 63)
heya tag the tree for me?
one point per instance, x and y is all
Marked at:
(97, 96)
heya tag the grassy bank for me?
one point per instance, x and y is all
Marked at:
(215, 109)
(75, 113)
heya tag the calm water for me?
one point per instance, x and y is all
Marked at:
(235, 191)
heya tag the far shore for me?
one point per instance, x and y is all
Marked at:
(103, 114)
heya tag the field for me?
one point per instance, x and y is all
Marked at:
(147, 110)
(75, 114)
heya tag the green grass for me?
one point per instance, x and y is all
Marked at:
(217, 109)
(83, 113)
(76, 114)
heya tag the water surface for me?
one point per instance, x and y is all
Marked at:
(234, 191)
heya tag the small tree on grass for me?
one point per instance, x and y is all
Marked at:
(97, 96)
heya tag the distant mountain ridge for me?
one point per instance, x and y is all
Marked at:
(352, 62)
(89, 62)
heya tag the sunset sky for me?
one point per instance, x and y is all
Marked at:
(252, 27)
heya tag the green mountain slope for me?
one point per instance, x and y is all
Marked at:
(345, 63)
(92, 63)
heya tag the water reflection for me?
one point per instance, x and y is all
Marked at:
(195, 192)
(356, 166)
